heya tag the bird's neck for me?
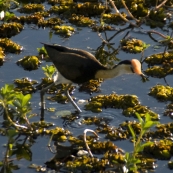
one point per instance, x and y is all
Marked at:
(116, 71)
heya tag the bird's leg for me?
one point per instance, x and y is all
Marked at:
(42, 99)
(70, 98)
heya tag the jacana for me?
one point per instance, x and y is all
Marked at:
(79, 66)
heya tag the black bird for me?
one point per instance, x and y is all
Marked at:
(79, 66)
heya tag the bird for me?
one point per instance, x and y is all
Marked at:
(79, 66)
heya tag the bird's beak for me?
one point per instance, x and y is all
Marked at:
(144, 77)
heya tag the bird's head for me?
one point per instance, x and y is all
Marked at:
(133, 66)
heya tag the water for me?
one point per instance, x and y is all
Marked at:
(30, 39)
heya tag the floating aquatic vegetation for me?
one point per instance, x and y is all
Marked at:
(2, 56)
(160, 58)
(87, 9)
(90, 9)
(29, 62)
(159, 72)
(111, 101)
(59, 134)
(31, 8)
(162, 149)
(165, 60)
(162, 93)
(134, 124)
(10, 46)
(114, 18)
(86, 163)
(25, 85)
(10, 29)
(117, 158)
(169, 110)
(60, 97)
(142, 110)
(34, 18)
(129, 103)
(81, 20)
(61, 2)
(139, 9)
(157, 18)
(91, 86)
(102, 28)
(163, 131)
(50, 22)
(132, 45)
(60, 9)
(113, 133)
(64, 30)
(99, 121)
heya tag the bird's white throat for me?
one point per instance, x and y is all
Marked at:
(119, 70)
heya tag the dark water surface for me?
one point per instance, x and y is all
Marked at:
(127, 84)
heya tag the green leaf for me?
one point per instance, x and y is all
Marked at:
(10, 146)
(26, 99)
(132, 132)
(147, 117)
(12, 132)
(16, 103)
(139, 118)
(140, 147)
(149, 124)
(127, 156)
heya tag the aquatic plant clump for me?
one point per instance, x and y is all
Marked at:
(81, 20)
(91, 86)
(10, 46)
(61, 2)
(87, 9)
(50, 22)
(102, 28)
(10, 29)
(162, 149)
(165, 62)
(114, 18)
(31, 8)
(159, 72)
(2, 56)
(132, 45)
(64, 30)
(29, 62)
(162, 93)
(160, 58)
(25, 85)
(129, 103)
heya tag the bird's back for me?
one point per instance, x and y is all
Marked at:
(76, 65)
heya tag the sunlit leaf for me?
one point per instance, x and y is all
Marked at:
(10, 146)
(147, 117)
(139, 118)
(26, 99)
(149, 124)
(132, 132)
